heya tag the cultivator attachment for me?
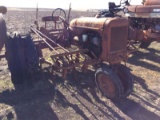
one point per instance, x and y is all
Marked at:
(72, 59)
(62, 58)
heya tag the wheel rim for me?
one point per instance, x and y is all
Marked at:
(106, 85)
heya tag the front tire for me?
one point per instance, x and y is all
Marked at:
(109, 83)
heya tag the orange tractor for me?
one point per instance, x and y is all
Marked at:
(86, 41)
(144, 22)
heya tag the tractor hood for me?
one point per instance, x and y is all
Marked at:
(88, 22)
(112, 31)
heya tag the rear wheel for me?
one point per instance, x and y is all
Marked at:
(109, 83)
(22, 57)
(15, 58)
(32, 59)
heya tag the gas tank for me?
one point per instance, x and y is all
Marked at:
(152, 2)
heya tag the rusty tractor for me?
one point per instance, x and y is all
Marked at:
(88, 41)
(143, 21)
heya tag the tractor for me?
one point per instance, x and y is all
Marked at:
(144, 23)
(81, 43)
(88, 41)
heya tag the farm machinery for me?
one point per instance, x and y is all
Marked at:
(144, 22)
(84, 42)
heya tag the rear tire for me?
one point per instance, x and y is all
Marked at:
(31, 55)
(109, 83)
(15, 58)
(22, 58)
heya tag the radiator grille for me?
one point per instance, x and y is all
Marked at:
(118, 38)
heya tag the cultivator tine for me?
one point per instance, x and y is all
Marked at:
(64, 61)
(59, 62)
(77, 59)
(70, 60)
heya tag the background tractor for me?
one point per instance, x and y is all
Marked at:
(144, 22)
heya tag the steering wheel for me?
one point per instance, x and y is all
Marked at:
(124, 1)
(59, 12)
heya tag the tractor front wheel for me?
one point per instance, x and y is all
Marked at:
(109, 83)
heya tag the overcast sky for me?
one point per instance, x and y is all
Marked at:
(76, 4)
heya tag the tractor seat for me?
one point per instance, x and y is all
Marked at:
(50, 18)
(144, 8)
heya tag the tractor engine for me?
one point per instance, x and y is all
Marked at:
(105, 37)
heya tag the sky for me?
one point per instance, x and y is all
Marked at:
(76, 4)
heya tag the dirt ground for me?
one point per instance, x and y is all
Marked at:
(53, 99)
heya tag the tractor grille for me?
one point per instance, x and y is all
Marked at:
(118, 38)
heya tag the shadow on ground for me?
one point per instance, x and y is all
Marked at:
(137, 59)
(75, 99)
